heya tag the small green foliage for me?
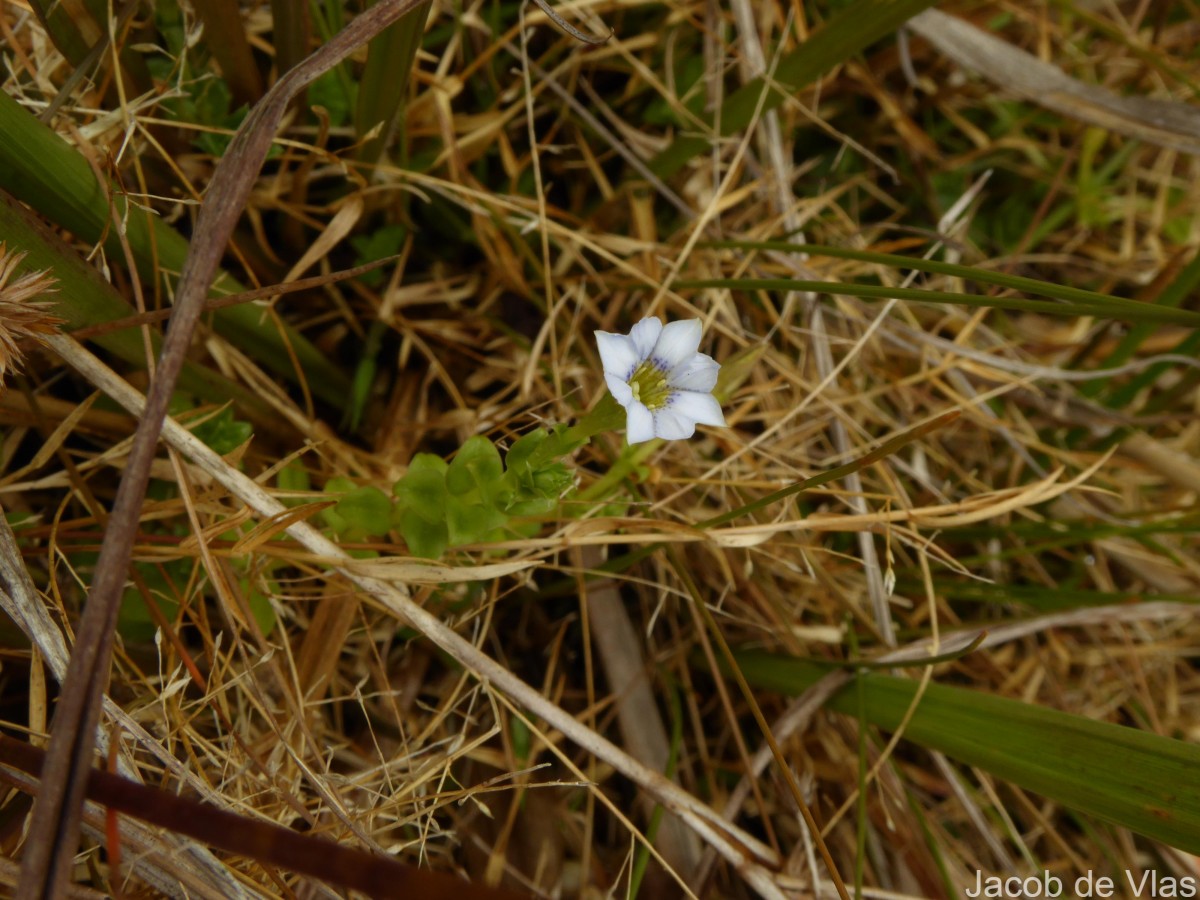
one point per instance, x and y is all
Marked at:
(469, 522)
(476, 470)
(423, 488)
(534, 478)
(424, 538)
(293, 478)
(204, 99)
(260, 603)
(689, 69)
(521, 737)
(422, 495)
(135, 622)
(360, 513)
(367, 511)
(222, 432)
(475, 497)
(380, 243)
(331, 92)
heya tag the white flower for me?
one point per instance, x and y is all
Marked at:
(660, 379)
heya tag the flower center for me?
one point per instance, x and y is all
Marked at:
(649, 386)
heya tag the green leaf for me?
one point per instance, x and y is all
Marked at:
(331, 93)
(423, 487)
(293, 478)
(366, 511)
(260, 604)
(424, 538)
(383, 85)
(471, 522)
(1131, 778)
(476, 467)
(379, 243)
(536, 506)
(522, 450)
(135, 622)
(551, 480)
(222, 432)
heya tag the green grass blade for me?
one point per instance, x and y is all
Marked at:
(969, 273)
(1115, 308)
(849, 32)
(40, 169)
(84, 298)
(1184, 285)
(384, 85)
(1130, 778)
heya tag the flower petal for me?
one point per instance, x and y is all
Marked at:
(645, 335)
(677, 343)
(670, 425)
(696, 374)
(699, 407)
(617, 353)
(620, 390)
(639, 423)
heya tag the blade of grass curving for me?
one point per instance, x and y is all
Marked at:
(383, 88)
(1173, 296)
(54, 828)
(85, 299)
(1130, 778)
(849, 32)
(1113, 308)
(40, 169)
(919, 264)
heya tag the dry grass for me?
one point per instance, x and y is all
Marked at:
(1053, 489)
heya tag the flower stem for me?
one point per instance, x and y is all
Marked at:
(607, 415)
